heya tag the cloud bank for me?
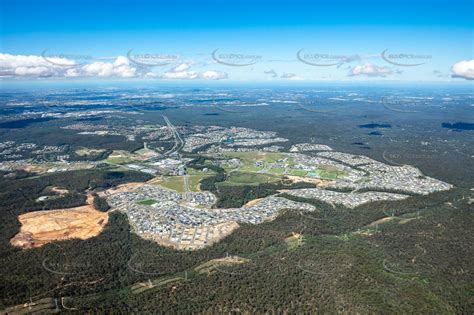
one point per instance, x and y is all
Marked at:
(463, 69)
(39, 66)
(21, 66)
(182, 72)
(370, 70)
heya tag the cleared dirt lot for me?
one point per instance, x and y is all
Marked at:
(316, 181)
(120, 188)
(41, 227)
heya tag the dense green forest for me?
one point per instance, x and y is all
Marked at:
(412, 256)
(418, 262)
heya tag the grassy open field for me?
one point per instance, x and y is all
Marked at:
(329, 172)
(277, 170)
(88, 151)
(297, 172)
(177, 182)
(211, 265)
(262, 161)
(244, 178)
(171, 182)
(196, 176)
(294, 241)
(147, 202)
(120, 157)
(256, 156)
(194, 181)
(193, 171)
(123, 157)
(248, 173)
(143, 151)
(249, 159)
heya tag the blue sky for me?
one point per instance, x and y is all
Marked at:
(255, 40)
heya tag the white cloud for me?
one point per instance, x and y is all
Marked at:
(19, 65)
(40, 71)
(370, 70)
(180, 72)
(213, 75)
(100, 69)
(119, 68)
(181, 67)
(463, 69)
(39, 66)
(181, 75)
(71, 73)
(150, 75)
